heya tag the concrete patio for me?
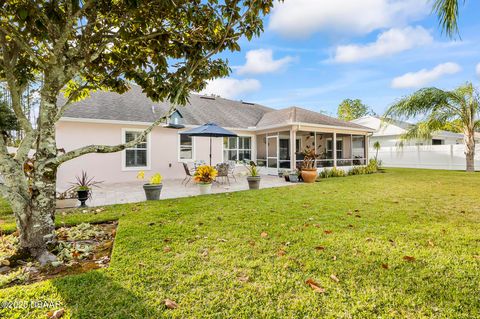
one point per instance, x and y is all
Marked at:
(131, 192)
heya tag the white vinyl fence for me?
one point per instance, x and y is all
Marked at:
(450, 157)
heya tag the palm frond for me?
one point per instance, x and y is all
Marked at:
(421, 102)
(447, 13)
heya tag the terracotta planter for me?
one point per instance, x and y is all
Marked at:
(152, 191)
(309, 175)
(205, 188)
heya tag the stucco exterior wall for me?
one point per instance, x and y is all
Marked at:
(163, 152)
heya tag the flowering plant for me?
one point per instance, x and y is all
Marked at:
(205, 174)
(154, 180)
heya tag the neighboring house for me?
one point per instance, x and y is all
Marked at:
(445, 150)
(268, 136)
(389, 133)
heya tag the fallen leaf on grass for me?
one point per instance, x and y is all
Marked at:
(349, 213)
(385, 266)
(369, 239)
(356, 210)
(316, 287)
(431, 244)
(409, 258)
(223, 240)
(281, 253)
(251, 243)
(476, 256)
(350, 225)
(170, 304)
(319, 248)
(56, 314)
(334, 278)
(243, 278)
(327, 232)
(5, 262)
(334, 258)
(264, 235)
(141, 264)
(358, 216)
(167, 249)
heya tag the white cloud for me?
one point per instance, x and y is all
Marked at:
(302, 18)
(261, 61)
(477, 69)
(387, 43)
(231, 88)
(424, 76)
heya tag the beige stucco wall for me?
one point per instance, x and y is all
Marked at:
(163, 152)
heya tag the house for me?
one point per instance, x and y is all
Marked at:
(389, 133)
(273, 138)
(445, 150)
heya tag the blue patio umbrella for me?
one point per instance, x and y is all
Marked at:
(209, 130)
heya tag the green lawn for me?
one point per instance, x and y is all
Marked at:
(218, 265)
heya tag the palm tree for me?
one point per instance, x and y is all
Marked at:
(376, 146)
(447, 12)
(436, 108)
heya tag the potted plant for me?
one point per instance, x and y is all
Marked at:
(204, 177)
(154, 188)
(66, 199)
(83, 186)
(308, 169)
(254, 177)
(293, 176)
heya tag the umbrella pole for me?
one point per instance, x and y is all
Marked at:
(210, 151)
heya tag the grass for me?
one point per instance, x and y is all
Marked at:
(207, 253)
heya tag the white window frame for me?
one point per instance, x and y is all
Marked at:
(238, 149)
(181, 160)
(124, 153)
(338, 150)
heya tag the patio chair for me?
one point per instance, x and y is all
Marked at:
(231, 169)
(223, 171)
(188, 174)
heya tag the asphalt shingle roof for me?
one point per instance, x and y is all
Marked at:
(135, 106)
(299, 115)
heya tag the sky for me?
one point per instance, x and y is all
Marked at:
(315, 53)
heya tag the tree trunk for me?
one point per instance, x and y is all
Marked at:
(470, 150)
(37, 228)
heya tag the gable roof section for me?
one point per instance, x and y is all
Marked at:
(296, 114)
(135, 106)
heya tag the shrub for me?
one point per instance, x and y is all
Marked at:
(333, 172)
(372, 167)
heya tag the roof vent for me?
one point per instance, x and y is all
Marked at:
(207, 97)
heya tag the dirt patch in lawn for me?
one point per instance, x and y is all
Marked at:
(79, 249)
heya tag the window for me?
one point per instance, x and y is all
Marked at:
(330, 148)
(136, 156)
(186, 147)
(237, 148)
(437, 142)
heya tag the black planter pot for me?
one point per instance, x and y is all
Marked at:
(152, 191)
(253, 182)
(82, 197)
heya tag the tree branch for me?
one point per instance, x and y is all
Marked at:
(15, 91)
(17, 37)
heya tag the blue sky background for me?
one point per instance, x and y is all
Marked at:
(304, 36)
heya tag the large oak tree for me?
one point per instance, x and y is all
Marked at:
(167, 47)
